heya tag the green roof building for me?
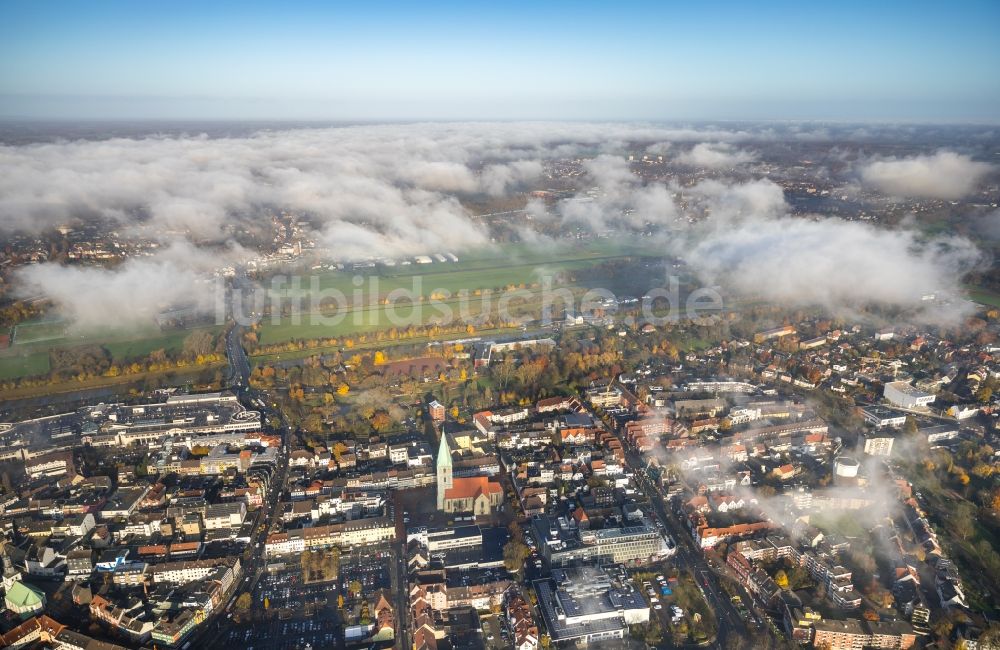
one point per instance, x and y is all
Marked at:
(24, 600)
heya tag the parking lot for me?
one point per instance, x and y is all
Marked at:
(298, 616)
(306, 616)
(495, 635)
(371, 568)
(286, 591)
(311, 634)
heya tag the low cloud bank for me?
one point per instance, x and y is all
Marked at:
(943, 175)
(393, 190)
(716, 156)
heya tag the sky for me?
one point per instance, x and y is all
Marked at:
(838, 61)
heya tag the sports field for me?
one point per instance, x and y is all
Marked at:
(363, 320)
(493, 270)
(24, 359)
(13, 366)
(39, 331)
(983, 296)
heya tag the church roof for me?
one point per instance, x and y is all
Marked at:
(471, 486)
(21, 595)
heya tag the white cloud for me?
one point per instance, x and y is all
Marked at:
(716, 156)
(752, 246)
(132, 294)
(943, 175)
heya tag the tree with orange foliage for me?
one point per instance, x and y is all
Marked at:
(381, 421)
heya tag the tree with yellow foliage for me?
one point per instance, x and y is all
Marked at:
(379, 358)
(343, 389)
(982, 470)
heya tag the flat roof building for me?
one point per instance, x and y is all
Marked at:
(905, 395)
(588, 605)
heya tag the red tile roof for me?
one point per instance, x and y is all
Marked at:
(472, 486)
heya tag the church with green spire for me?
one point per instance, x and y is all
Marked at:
(445, 481)
(476, 494)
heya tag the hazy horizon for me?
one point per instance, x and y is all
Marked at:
(918, 62)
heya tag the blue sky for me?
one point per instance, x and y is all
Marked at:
(880, 61)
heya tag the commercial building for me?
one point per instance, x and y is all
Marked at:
(184, 572)
(604, 396)
(852, 634)
(563, 543)
(457, 537)
(225, 515)
(939, 433)
(774, 333)
(882, 417)
(905, 395)
(719, 386)
(361, 532)
(588, 605)
(878, 445)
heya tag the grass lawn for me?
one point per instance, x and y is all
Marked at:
(173, 376)
(839, 523)
(487, 270)
(140, 347)
(26, 360)
(380, 345)
(509, 265)
(983, 297)
(38, 331)
(381, 317)
(23, 365)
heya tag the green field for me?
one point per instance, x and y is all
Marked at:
(23, 365)
(983, 297)
(382, 317)
(495, 269)
(490, 269)
(486, 269)
(39, 331)
(258, 359)
(171, 341)
(27, 359)
(42, 335)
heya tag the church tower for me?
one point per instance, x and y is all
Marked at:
(444, 480)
